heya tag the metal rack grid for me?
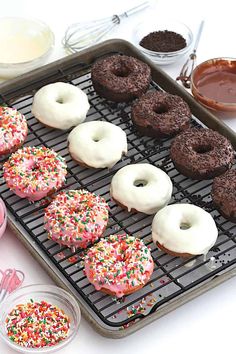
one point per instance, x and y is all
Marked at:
(172, 276)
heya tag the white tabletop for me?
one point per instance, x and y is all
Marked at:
(207, 323)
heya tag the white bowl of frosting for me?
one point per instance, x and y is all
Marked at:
(25, 45)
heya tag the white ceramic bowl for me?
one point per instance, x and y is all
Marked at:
(25, 45)
(163, 58)
(49, 293)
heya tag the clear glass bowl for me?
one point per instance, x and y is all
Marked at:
(25, 45)
(49, 293)
(218, 76)
(163, 58)
(3, 217)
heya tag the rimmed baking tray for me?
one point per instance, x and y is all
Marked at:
(174, 280)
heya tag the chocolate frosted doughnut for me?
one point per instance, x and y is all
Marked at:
(120, 78)
(201, 153)
(160, 114)
(224, 194)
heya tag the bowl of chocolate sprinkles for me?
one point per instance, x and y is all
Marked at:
(163, 42)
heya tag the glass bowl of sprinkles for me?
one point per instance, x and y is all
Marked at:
(163, 41)
(39, 319)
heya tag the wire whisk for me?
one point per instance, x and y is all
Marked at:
(189, 65)
(84, 34)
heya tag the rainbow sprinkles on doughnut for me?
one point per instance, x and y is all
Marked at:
(13, 130)
(76, 218)
(119, 265)
(34, 172)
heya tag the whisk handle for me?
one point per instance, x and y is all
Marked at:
(135, 9)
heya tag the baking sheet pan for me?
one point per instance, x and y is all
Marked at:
(174, 282)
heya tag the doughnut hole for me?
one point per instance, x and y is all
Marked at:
(203, 148)
(161, 108)
(35, 167)
(140, 183)
(60, 100)
(31, 165)
(121, 71)
(96, 138)
(184, 225)
(63, 99)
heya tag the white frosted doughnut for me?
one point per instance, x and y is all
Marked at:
(184, 228)
(60, 105)
(97, 144)
(142, 187)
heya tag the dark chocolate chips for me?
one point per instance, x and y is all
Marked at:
(163, 41)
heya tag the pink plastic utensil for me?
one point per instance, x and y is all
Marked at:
(10, 281)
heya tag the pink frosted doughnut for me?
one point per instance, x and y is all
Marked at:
(76, 217)
(34, 172)
(119, 265)
(13, 130)
(3, 217)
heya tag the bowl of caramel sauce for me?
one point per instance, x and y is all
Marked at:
(213, 84)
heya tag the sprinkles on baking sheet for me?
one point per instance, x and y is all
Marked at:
(37, 324)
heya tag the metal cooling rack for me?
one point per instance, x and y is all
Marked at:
(172, 277)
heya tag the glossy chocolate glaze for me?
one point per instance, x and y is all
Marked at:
(219, 86)
(215, 80)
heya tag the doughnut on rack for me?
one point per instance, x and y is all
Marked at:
(174, 280)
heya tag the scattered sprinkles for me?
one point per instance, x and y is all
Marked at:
(73, 259)
(34, 172)
(119, 263)
(61, 255)
(13, 130)
(37, 324)
(76, 217)
(144, 305)
(44, 202)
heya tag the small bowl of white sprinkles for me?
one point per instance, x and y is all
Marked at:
(39, 319)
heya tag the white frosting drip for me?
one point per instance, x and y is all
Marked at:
(97, 144)
(60, 105)
(212, 263)
(190, 263)
(198, 238)
(149, 198)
